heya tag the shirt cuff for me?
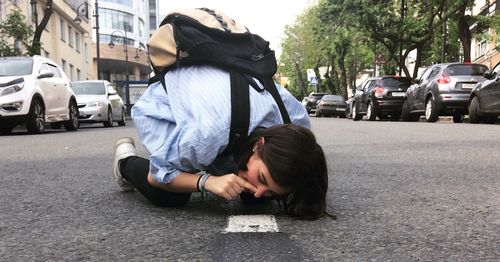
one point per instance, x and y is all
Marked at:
(164, 175)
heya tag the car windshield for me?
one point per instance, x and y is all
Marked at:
(316, 96)
(88, 88)
(466, 70)
(396, 81)
(16, 67)
(333, 98)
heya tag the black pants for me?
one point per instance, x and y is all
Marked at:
(135, 170)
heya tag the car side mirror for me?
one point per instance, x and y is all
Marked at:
(45, 74)
(359, 88)
(489, 74)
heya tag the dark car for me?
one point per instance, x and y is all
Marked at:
(442, 90)
(331, 105)
(484, 101)
(380, 97)
(311, 101)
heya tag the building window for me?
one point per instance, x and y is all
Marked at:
(117, 39)
(70, 36)
(63, 30)
(63, 65)
(141, 27)
(77, 42)
(86, 52)
(121, 2)
(71, 75)
(116, 20)
(78, 74)
(481, 48)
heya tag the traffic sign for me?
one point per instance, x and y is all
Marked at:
(313, 81)
(380, 59)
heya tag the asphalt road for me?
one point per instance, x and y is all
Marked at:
(401, 192)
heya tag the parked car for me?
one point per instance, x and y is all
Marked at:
(98, 101)
(380, 97)
(331, 105)
(34, 91)
(310, 101)
(484, 100)
(442, 90)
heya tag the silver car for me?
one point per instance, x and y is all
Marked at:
(98, 101)
(442, 90)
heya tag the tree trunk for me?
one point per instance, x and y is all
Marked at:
(302, 84)
(35, 48)
(464, 33)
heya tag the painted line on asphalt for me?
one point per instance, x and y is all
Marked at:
(251, 223)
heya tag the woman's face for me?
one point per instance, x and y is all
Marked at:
(258, 175)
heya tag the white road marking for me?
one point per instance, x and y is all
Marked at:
(252, 223)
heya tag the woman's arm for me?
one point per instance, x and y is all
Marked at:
(227, 186)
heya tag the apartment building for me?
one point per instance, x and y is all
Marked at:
(127, 24)
(63, 41)
(483, 48)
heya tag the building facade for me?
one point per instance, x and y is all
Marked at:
(63, 41)
(73, 45)
(125, 24)
(484, 47)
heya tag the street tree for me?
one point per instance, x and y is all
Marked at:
(35, 48)
(15, 35)
(300, 51)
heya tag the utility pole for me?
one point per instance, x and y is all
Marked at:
(403, 9)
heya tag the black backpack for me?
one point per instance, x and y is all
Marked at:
(204, 36)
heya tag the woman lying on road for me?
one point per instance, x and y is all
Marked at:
(186, 130)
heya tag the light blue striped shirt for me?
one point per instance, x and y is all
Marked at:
(185, 129)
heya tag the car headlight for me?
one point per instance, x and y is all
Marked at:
(11, 89)
(95, 104)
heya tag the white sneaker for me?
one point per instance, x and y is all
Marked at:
(124, 147)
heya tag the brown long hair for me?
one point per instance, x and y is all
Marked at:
(295, 161)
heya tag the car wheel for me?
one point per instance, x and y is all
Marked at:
(122, 121)
(72, 123)
(348, 114)
(355, 115)
(109, 121)
(6, 128)
(458, 118)
(431, 110)
(36, 118)
(371, 112)
(55, 125)
(474, 117)
(406, 115)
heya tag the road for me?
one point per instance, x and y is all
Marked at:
(401, 192)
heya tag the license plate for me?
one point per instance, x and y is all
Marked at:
(341, 109)
(468, 86)
(398, 94)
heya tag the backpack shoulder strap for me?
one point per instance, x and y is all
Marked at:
(240, 112)
(270, 86)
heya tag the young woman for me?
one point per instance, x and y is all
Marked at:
(186, 130)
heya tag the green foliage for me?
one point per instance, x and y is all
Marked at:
(15, 35)
(345, 35)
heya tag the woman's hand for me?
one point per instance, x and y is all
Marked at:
(228, 186)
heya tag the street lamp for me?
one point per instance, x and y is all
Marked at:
(84, 12)
(125, 49)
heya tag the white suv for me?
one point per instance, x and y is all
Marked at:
(35, 91)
